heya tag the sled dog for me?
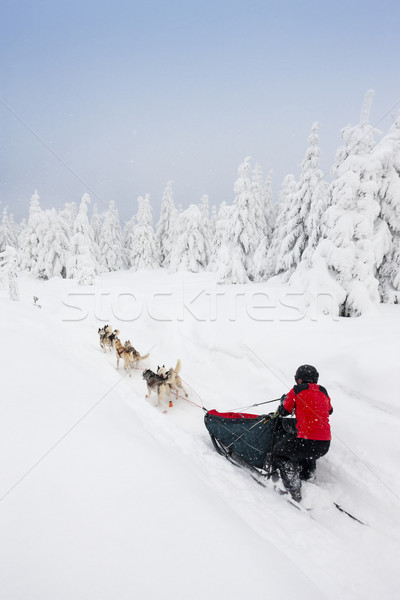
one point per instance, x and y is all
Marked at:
(110, 339)
(129, 355)
(158, 383)
(104, 332)
(171, 376)
(107, 337)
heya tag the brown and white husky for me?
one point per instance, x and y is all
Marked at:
(171, 376)
(129, 355)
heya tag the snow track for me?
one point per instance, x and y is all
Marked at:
(104, 496)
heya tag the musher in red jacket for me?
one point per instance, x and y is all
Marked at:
(296, 456)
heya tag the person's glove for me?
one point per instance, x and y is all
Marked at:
(282, 411)
(274, 415)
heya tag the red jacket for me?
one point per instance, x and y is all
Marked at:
(312, 407)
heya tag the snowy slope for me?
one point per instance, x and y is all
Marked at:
(103, 496)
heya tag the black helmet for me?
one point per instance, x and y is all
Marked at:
(307, 374)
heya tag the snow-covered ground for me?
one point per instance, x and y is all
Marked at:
(104, 497)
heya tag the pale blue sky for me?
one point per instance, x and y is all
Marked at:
(131, 94)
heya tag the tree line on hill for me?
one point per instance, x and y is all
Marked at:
(340, 238)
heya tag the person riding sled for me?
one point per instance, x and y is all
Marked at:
(295, 456)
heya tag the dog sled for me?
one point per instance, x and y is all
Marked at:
(247, 439)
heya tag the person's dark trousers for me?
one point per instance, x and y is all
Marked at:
(296, 459)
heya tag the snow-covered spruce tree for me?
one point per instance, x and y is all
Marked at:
(230, 263)
(166, 226)
(144, 247)
(82, 263)
(269, 207)
(206, 225)
(303, 227)
(263, 219)
(190, 251)
(312, 200)
(20, 231)
(128, 236)
(354, 229)
(44, 229)
(230, 266)
(213, 224)
(221, 226)
(388, 154)
(246, 233)
(15, 229)
(68, 215)
(96, 223)
(13, 288)
(31, 237)
(242, 233)
(111, 241)
(205, 212)
(260, 204)
(6, 232)
(269, 261)
(54, 249)
(9, 270)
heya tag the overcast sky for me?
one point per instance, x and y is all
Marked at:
(115, 98)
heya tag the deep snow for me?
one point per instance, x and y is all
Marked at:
(103, 496)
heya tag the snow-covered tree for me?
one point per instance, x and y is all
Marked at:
(241, 236)
(32, 236)
(111, 240)
(270, 260)
(20, 231)
(311, 201)
(15, 229)
(263, 219)
(128, 236)
(38, 272)
(244, 218)
(259, 201)
(83, 263)
(9, 270)
(54, 249)
(388, 153)
(205, 212)
(213, 223)
(144, 246)
(230, 265)
(221, 226)
(69, 214)
(206, 225)
(354, 229)
(270, 216)
(261, 259)
(191, 250)
(96, 223)
(6, 232)
(166, 226)
(302, 228)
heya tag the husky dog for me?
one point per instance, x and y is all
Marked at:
(107, 337)
(171, 376)
(110, 339)
(104, 332)
(128, 353)
(156, 382)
